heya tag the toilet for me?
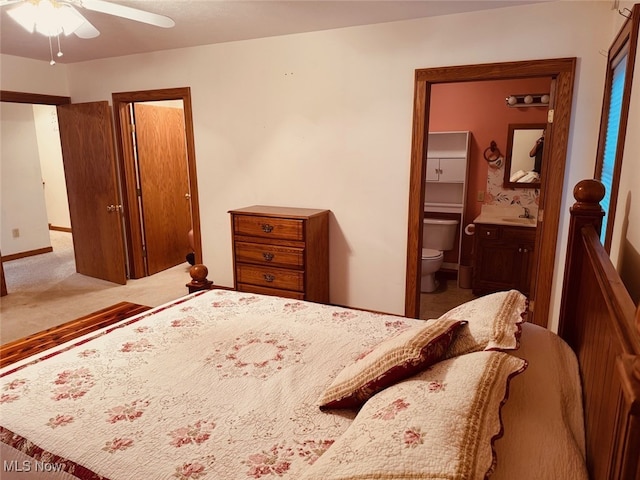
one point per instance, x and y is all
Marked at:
(438, 235)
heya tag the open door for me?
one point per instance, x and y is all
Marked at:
(86, 137)
(165, 197)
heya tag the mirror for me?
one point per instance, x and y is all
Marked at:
(525, 145)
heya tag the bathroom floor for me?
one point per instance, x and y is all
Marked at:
(447, 296)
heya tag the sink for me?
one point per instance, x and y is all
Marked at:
(500, 220)
(520, 220)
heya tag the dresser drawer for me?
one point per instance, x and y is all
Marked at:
(270, 277)
(264, 254)
(243, 287)
(269, 227)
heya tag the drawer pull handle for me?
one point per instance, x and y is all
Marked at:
(269, 278)
(266, 228)
(268, 256)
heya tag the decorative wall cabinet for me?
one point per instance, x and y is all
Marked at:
(446, 182)
(448, 170)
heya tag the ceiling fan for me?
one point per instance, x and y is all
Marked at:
(43, 16)
(52, 18)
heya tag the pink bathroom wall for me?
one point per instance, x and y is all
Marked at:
(480, 108)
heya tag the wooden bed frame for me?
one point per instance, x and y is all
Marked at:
(38, 342)
(598, 320)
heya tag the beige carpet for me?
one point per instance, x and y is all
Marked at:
(45, 290)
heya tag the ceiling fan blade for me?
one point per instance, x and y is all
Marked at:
(86, 30)
(128, 12)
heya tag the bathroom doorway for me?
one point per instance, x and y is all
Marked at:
(465, 119)
(562, 72)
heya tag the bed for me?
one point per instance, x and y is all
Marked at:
(223, 385)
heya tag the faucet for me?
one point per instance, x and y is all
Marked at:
(526, 213)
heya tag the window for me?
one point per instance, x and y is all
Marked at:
(613, 123)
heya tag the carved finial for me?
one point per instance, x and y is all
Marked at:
(199, 280)
(588, 191)
(588, 194)
(199, 273)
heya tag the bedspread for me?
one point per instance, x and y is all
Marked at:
(203, 387)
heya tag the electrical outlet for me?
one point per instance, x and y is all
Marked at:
(480, 195)
(15, 232)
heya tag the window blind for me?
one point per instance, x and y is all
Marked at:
(611, 140)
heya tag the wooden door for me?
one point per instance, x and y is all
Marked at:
(86, 137)
(164, 184)
(3, 283)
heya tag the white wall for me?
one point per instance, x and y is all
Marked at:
(50, 153)
(22, 198)
(22, 195)
(33, 76)
(324, 120)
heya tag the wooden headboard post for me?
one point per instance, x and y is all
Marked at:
(586, 211)
(597, 319)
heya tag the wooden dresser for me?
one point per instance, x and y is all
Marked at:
(282, 251)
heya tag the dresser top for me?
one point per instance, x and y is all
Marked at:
(271, 211)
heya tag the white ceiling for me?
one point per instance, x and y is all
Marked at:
(202, 22)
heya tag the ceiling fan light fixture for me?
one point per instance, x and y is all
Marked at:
(47, 17)
(25, 15)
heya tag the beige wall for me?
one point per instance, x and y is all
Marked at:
(22, 195)
(33, 76)
(324, 120)
(50, 152)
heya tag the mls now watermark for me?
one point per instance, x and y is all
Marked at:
(31, 466)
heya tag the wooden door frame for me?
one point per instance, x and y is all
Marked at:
(121, 100)
(34, 99)
(562, 70)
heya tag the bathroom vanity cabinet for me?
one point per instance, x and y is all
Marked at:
(503, 258)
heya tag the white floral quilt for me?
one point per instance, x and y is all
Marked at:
(217, 385)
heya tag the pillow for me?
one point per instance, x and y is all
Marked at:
(392, 360)
(493, 323)
(441, 423)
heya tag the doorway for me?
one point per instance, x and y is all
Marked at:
(28, 99)
(562, 71)
(159, 205)
(128, 188)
